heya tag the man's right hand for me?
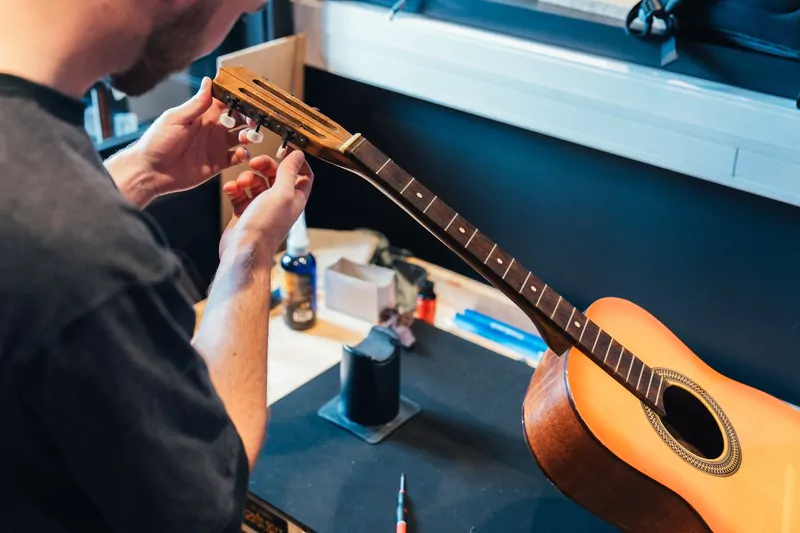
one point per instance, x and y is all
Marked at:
(262, 220)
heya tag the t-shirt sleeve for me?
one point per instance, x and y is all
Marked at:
(129, 404)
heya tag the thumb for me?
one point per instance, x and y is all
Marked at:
(193, 108)
(288, 171)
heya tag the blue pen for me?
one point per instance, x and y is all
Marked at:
(523, 348)
(501, 327)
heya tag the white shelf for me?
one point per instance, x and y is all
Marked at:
(738, 138)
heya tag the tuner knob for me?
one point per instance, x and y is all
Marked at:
(255, 136)
(284, 146)
(228, 121)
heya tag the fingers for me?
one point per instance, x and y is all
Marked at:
(237, 197)
(253, 182)
(194, 108)
(264, 164)
(236, 136)
(289, 170)
(238, 155)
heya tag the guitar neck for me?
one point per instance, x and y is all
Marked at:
(559, 322)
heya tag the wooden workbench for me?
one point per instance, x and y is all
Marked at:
(296, 357)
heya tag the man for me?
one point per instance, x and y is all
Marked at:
(112, 417)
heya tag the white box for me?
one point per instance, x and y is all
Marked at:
(359, 290)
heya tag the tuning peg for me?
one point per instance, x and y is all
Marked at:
(227, 120)
(255, 136)
(283, 147)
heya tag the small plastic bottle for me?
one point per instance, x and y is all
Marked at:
(426, 302)
(299, 283)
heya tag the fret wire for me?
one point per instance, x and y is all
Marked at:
(509, 268)
(610, 342)
(541, 294)
(619, 360)
(451, 222)
(630, 367)
(596, 339)
(640, 376)
(384, 165)
(660, 383)
(525, 283)
(569, 320)
(407, 184)
(430, 204)
(585, 326)
(470, 239)
(555, 308)
(652, 373)
(490, 254)
(358, 144)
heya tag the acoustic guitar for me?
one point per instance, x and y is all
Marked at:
(620, 415)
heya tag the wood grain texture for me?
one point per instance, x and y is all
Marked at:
(596, 444)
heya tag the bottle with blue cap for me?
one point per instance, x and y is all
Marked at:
(299, 279)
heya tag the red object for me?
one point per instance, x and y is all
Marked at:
(426, 310)
(426, 302)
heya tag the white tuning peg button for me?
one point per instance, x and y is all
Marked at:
(227, 121)
(281, 153)
(255, 136)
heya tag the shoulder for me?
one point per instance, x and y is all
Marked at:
(71, 241)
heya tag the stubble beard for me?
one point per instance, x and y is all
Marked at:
(170, 48)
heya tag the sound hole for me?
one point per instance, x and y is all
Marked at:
(690, 422)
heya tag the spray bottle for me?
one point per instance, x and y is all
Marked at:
(299, 283)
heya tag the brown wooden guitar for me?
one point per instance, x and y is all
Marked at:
(620, 415)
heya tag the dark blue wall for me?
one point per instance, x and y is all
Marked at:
(719, 267)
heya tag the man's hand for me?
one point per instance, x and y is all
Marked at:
(267, 200)
(184, 148)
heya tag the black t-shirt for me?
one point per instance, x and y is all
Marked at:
(108, 418)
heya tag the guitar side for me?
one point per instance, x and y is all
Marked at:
(602, 449)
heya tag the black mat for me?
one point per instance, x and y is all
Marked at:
(467, 466)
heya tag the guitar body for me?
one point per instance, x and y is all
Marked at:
(627, 422)
(734, 466)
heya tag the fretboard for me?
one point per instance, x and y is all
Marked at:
(546, 308)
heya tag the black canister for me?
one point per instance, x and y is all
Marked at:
(370, 379)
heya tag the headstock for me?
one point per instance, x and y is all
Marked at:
(274, 109)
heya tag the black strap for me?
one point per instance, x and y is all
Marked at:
(648, 11)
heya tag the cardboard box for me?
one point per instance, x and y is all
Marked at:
(359, 290)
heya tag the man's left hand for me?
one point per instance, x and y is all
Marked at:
(184, 148)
